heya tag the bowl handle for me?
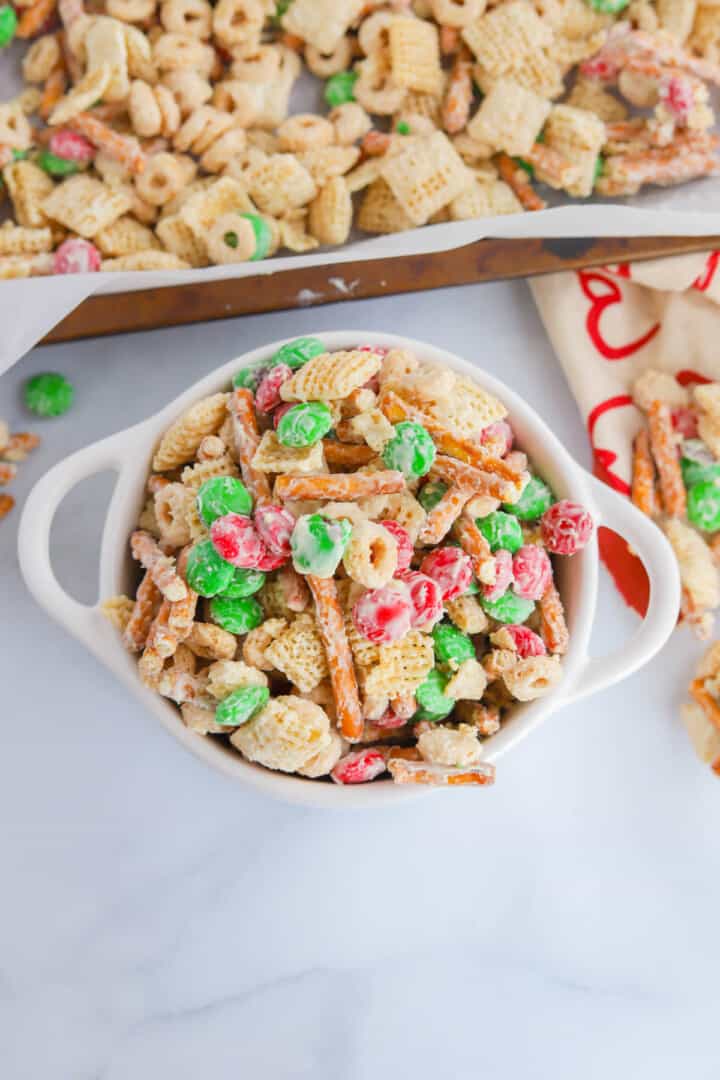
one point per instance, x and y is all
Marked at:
(36, 522)
(649, 543)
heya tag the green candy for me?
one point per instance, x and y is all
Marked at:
(697, 463)
(608, 7)
(318, 544)
(298, 352)
(340, 88)
(525, 165)
(49, 394)
(239, 616)
(244, 583)
(508, 608)
(430, 494)
(207, 573)
(263, 236)
(501, 530)
(599, 168)
(703, 505)
(411, 450)
(304, 424)
(433, 703)
(473, 588)
(248, 378)
(451, 645)
(534, 501)
(223, 495)
(402, 127)
(8, 24)
(19, 155)
(240, 706)
(56, 166)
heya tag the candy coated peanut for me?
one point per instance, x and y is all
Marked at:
(238, 616)
(501, 530)
(221, 495)
(304, 424)
(236, 540)
(383, 615)
(207, 573)
(49, 394)
(536, 498)
(318, 544)
(452, 646)
(244, 583)
(433, 703)
(241, 705)
(567, 527)
(411, 450)
(298, 352)
(508, 608)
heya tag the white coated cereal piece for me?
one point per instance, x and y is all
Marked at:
(145, 260)
(578, 136)
(180, 442)
(321, 23)
(415, 55)
(703, 734)
(348, 511)
(370, 557)
(211, 642)
(189, 89)
(331, 376)
(85, 206)
(487, 198)
(457, 13)
(304, 131)
(231, 239)
(173, 52)
(225, 676)
(326, 64)
(676, 17)
(271, 100)
(654, 385)
(18, 240)
(178, 238)
(171, 511)
(105, 46)
(272, 457)
(374, 427)
(238, 23)
(292, 232)
(380, 212)
(82, 95)
(532, 677)
(467, 614)
(161, 180)
(257, 641)
(327, 163)
(449, 746)
(708, 398)
(15, 130)
(709, 432)
(589, 94)
(331, 212)
(280, 183)
(320, 764)
(506, 35)
(510, 118)
(300, 654)
(131, 11)
(374, 88)
(350, 122)
(469, 682)
(187, 17)
(206, 206)
(201, 720)
(285, 735)
(426, 177)
(42, 57)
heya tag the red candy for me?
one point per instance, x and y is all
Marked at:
(451, 568)
(359, 767)
(526, 641)
(532, 571)
(76, 256)
(275, 525)
(685, 422)
(383, 615)
(499, 432)
(269, 561)
(235, 540)
(677, 95)
(389, 720)
(503, 576)
(267, 395)
(566, 528)
(404, 543)
(280, 412)
(71, 147)
(425, 597)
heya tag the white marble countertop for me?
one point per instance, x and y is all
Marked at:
(157, 921)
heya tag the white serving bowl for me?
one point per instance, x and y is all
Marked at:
(130, 452)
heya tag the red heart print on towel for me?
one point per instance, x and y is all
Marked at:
(704, 280)
(605, 459)
(604, 293)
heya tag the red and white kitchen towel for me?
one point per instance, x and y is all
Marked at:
(606, 326)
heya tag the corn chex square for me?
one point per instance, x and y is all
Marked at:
(415, 55)
(85, 206)
(503, 37)
(279, 184)
(203, 209)
(426, 176)
(579, 136)
(322, 23)
(28, 187)
(510, 118)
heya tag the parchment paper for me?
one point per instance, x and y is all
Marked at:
(29, 308)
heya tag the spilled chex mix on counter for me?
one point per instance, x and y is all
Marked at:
(347, 568)
(159, 134)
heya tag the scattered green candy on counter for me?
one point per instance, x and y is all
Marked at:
(411, 450)
(244, 583)
(241, 705)
(304, 424)
(430, 494)
(8, 24)
(608, 7)
(298, 352)
(534, 501)
(508, 608)
(452, 646)
(207, 573)
(340, 88)
(56, 166)
(433, 703)
(239, 616)
(222, 495)
(501, 530)
(249, 377)
(318, 544)
(703, 505)
(49, 394)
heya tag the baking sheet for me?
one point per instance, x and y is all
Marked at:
(30, 308)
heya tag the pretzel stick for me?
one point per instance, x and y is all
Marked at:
(476, 546)
(422, 772)
(331, 623)
(147, 598)
(160, 566)
(457, 472)
(34, 18)
(553, 628)
(7, 472)
(665, 167)
(397, 408)
(517, 179)
(6, 504)
(53, 90)
(161, 643)
(124, 150)
(458, 99)
(182, 612)
(664, 450)
(442, 516)
(706, 701)
(556, 167)
(667, 51)
(339, 486)
(247, 438)
(346, 455)
(449, 40)
(643, 476)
